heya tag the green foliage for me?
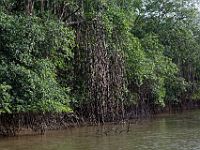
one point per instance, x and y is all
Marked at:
(32, 52)
(5, 98)
(158, 40)
(174, 27)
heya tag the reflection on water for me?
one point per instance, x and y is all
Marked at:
(173, 132)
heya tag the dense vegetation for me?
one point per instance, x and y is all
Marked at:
(103, 59)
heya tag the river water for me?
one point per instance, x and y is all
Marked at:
(169, 132)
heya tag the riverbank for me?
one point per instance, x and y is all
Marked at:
(36, 123)
(178, 132)
(40, 123)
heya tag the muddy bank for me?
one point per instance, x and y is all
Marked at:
(39, 123)
(36, 123)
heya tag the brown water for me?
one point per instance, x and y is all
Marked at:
(171, 132)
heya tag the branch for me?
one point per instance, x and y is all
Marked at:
(74, 22)
(72, 13)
